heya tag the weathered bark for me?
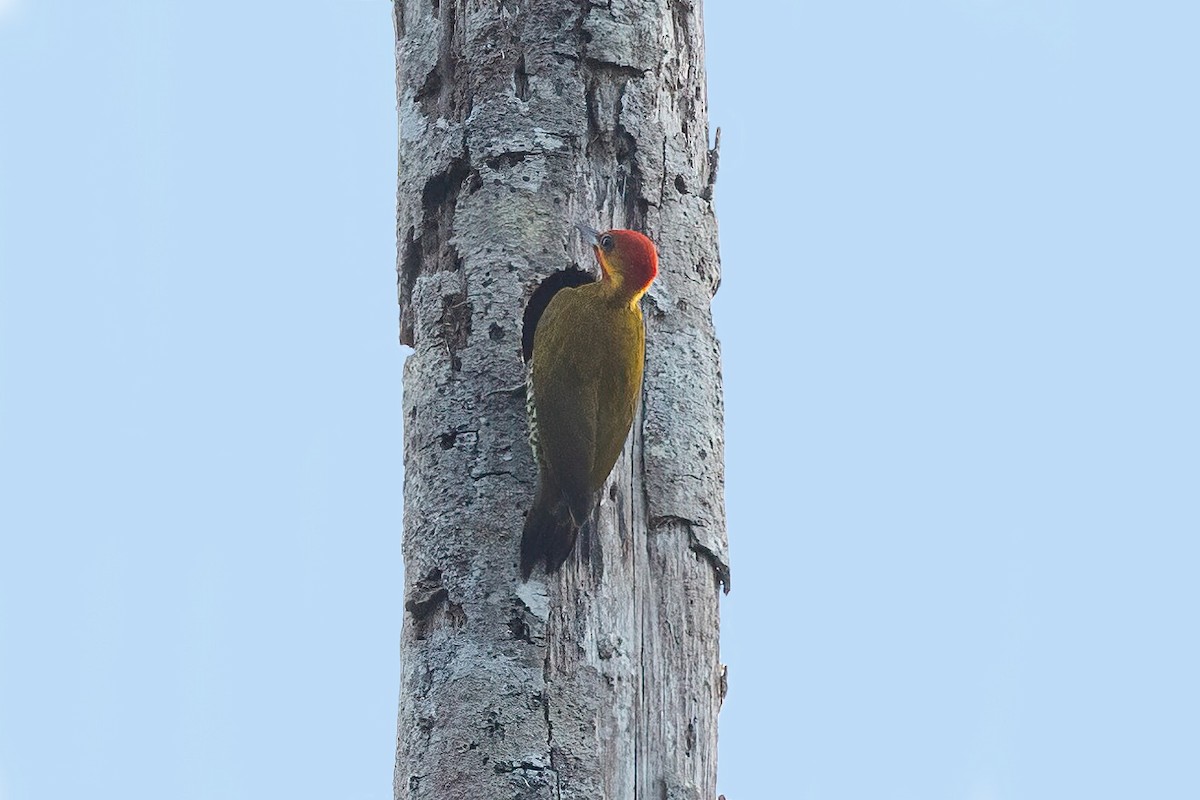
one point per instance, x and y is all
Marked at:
(519, 118)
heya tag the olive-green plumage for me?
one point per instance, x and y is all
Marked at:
(585, 378)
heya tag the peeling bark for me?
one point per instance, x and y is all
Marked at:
(519, 118)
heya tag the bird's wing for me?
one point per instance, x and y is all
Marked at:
(565, 398)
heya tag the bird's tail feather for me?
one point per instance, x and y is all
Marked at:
(550, 531)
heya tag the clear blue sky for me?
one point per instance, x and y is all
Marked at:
(961, 242)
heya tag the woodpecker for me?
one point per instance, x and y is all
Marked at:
(584, 380)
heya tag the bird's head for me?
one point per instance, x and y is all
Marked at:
(627, 259)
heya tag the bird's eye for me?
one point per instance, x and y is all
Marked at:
(606, 241)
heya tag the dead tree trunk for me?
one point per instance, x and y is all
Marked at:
(519, 118)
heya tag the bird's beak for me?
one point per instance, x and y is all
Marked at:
(590, 235)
